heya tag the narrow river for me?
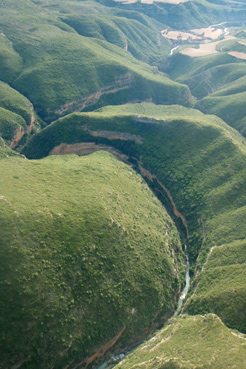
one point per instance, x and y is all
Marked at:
(186, 287)
(171, 52)
(115, 359)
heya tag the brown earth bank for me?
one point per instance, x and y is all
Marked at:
(122, 83)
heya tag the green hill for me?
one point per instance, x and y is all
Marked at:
(78, 234)
(194, 162)
(221, 284)
(190, 342)
(17, 117)
(80, 57)
(91, 262)
(188, 15)
(217, 81)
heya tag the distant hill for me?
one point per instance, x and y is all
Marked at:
(217, 80)
(67, 58)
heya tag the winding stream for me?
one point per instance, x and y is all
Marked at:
(171, 52)
(186, 287)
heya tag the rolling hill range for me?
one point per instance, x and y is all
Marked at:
(186, 14)
(195, 162)
(123, 177)
(63, 64)
(216, 80)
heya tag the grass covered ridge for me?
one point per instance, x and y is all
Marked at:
(81, 56)
(198, 158)
(78, 234)
(190, 342)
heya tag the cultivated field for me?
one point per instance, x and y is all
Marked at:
(204, 48)
(209, 33)
(238, 55)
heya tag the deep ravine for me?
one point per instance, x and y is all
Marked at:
(115, 359)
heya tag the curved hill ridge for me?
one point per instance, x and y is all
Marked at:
(195, 162)
(79, 234)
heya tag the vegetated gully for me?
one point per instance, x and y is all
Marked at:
(146, 174)
(115, 359)
(86, 148)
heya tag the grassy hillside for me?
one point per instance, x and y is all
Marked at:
(91, 261)
(9, 124)
(5, 151)
(79, 234)
(80, 55)
(144, 41)
(190, 14)
(198, 158)
(217, 81)
(176, 346)
(17, 117)
(10, 60)
(13, 101)
(221, 285)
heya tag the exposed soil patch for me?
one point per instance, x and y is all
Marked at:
(111, 135)
(86, 148)
(122, 83)
(201, 34)
(204, 49)
(101, 351)
(238, 55)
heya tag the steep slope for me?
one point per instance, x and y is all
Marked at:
(195, 162)
(176, 346)
(78, 234)
(220, 287)
(17, 117)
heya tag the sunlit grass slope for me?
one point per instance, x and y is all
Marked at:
(16, 115)
(188, 342)
(13, 101)
(80, 55)
(5, 151)
(221, 285)
(10, 60)
(198, 158)
(87, 253)
(217, 81)
(144, 41)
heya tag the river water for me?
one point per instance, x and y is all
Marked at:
(186, 287)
